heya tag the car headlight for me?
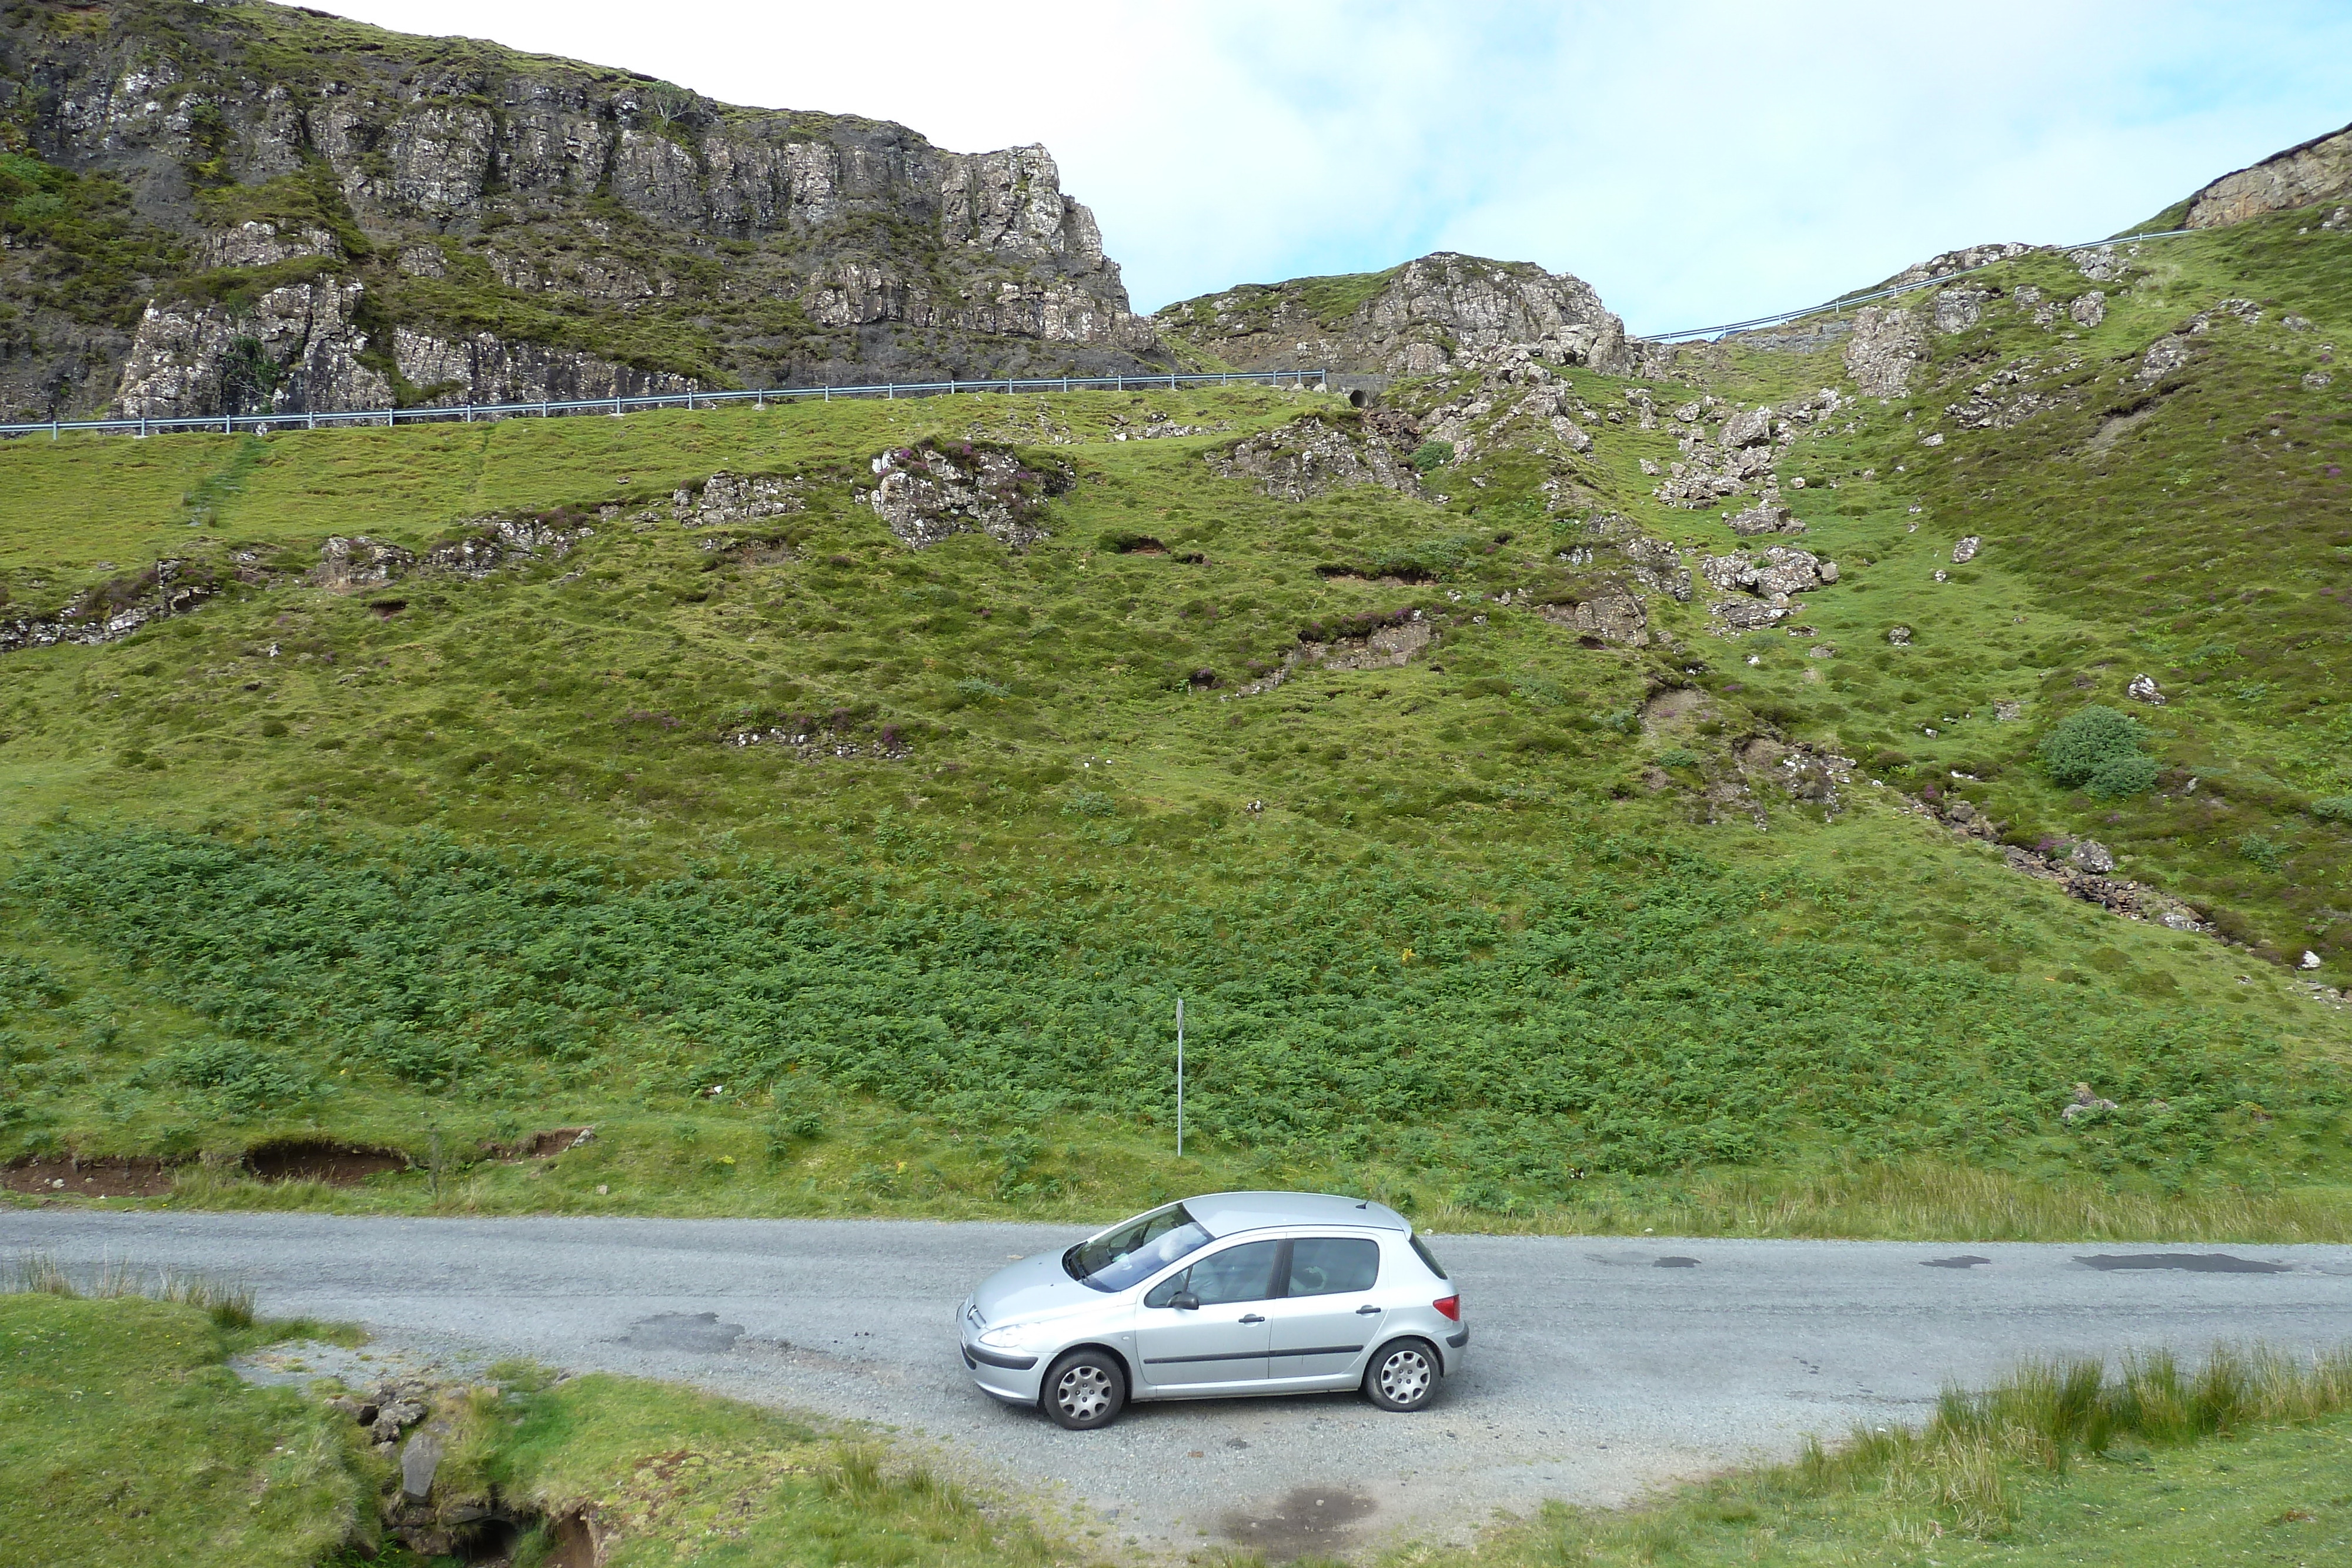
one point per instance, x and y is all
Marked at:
(1006, 1336)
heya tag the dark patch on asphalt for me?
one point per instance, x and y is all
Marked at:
(683, 1330)
(1674, 1263)
(2192, 1262)
(1307, 1519)
(1965, 1260)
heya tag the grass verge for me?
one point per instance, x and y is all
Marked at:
(2243, 1458)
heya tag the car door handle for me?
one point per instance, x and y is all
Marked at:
(1366, 1310)
(1253, 1318)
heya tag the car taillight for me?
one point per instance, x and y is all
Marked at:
(1451, 1306)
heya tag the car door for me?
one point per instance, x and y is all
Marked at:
(1221, 1341)
(1325, 1314)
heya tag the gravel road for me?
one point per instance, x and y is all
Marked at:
(1601, 1366)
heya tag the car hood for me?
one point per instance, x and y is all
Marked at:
(1035, 1287)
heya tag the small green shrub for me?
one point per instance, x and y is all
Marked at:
(2100, 749)
(2121, 775)
(1433, 456)
(2333, 807)
(1678, 756)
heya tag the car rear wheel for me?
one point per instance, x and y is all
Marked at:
(1084, 1390)
(1403, 1375)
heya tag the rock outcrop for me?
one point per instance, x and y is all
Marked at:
(2319, 170)
(1419, 319)
(1740, 456)
(307, 213)
(933, 492)
(1312, 455)
(1887, 343)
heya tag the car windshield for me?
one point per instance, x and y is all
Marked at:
(1136, 1251)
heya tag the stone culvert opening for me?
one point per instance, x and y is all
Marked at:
(1360, 398)
(491, 1539)
(320, 1160)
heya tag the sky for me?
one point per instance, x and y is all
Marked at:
(1697, 161)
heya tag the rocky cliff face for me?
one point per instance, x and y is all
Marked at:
(1414, 319)
(257, 207)
(2320, 169)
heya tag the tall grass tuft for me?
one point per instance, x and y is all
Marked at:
(1961, 1465)
(37, 1272)
(229, 1303)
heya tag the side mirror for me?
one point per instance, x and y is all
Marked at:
(1186, 1302)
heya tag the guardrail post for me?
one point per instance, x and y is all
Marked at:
(616, 406)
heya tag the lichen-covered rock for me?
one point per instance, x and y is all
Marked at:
(1764, 520)
(932, 492)
(1752, 427)
(1886, 344)
(1957, 309)
(1966, 549)
(2092, 856)
(730, 498)
(2164, 356)
(1385, 647)
(1748, 614)
(1423, 316)
(1965, 259)
(2318, 169)
(2090, 310)
(1313, 455)
(2101, 264)
(115, 608)
(1610, 616)
(1658, 567)
(359, 561)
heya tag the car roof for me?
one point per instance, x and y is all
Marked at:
(1223, 1214)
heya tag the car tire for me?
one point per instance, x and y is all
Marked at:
(1083, 1390)
(1403, 1375)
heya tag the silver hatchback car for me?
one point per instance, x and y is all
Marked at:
(1232, 1293)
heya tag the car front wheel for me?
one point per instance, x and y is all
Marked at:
(1084, 1390)
(1403, 1375)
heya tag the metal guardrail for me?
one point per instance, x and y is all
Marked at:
(1843, 300)
(758, 397)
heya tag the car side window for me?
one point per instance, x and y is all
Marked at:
(1333, 1265)
(1243, 1274)
(1165, 1292)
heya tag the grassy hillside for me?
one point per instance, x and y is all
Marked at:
(821, 874)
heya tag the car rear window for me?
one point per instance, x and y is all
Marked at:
(1430, 1258)
(1332, 1265)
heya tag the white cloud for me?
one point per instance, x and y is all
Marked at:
(1696, 162)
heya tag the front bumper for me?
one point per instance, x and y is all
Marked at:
(1002, 1374)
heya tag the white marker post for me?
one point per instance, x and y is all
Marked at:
(1180, 1078)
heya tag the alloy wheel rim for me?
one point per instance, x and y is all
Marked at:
(1404, 1376)
(1083, 1393)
